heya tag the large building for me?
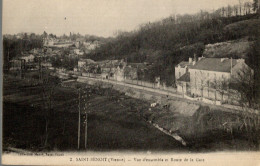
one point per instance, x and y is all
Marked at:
(182, 68)
(208, 77)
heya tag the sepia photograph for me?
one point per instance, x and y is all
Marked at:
(130, 82)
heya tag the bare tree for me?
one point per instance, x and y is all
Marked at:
(203, 82)
(222, 87)
(243, 82)
(240, 6)
(235, 9)
(229, 11)
(48, 85)
(256, 5)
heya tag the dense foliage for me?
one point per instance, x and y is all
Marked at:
(167, 42)
(13, 46)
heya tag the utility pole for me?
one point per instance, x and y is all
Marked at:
(79, 119)
(86, 118)
(40, 69)
(86, 130)
(21, 68)
(8, 60)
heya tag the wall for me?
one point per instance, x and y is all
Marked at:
(179, 71)
(200, 79)
(182, 87)
(243, 69)
(132, 92)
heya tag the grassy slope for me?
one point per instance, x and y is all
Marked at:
(234, 49)
(245, 31)
(204, 130)
(116, 122)
(113, 125)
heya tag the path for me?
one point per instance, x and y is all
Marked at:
(227, 107)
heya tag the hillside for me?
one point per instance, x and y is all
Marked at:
(233, 48)
(166, 43)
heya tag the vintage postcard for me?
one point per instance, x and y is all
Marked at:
(130, 82)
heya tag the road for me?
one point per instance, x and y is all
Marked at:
(225, 107)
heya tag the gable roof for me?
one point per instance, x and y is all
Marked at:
(214, 64)
(185, 77)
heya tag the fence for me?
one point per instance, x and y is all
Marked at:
(150, 85)
(133, 82)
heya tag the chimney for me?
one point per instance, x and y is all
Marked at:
(190, 60)
(201, 58)
(195, 57)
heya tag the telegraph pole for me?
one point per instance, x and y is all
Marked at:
(40, 69)
(21, 61)
(79, 120)
(86, 130)
(8, 60)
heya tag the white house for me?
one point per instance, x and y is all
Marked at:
(29, 58)
(182, 68)
(78, 51)
(83, 62)
(210, 77)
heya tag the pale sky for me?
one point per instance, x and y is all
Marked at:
(94, 17)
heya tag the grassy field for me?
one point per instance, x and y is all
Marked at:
(114, 122)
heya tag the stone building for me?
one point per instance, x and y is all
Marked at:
(182, 68)
(209, 77)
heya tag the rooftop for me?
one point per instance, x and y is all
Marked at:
(184, 63)
(185, 77)
(214, 64)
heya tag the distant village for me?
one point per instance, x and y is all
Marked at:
(53, 48)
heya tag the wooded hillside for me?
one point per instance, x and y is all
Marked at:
(167, 42)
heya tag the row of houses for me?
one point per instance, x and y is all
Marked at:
(209, 78)
(118, 70)
(80, 44)
(30, 60)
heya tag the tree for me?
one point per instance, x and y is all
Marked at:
(222, 87)
(203, 82)
(243, 82)
(45, 34)
(229, 11)
(48, 85)
(248, 7)
(235, 9)
(253, 61)
(240, 6)
(256, 5)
